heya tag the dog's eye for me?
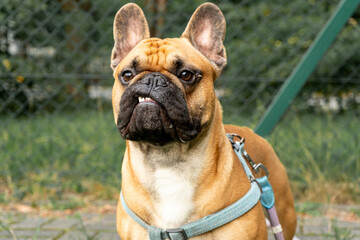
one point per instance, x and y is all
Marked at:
(186, 75)
(127, 76)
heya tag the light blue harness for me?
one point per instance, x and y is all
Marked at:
(220, 218)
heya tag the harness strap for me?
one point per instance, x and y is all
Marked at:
(226, 215)
(203, 225)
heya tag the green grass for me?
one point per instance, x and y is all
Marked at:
(321, 155)
(340, 233)
(50, 156)
(310, 208)
(53, 157)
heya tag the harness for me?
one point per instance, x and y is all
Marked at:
(260, 189)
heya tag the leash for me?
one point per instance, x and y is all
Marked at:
(260, 189)
(267, 195)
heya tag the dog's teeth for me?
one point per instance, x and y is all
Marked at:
(147, 99)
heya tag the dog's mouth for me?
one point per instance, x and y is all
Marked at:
(155, 114)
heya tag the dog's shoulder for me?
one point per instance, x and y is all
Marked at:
(244, 132)
(238, 130)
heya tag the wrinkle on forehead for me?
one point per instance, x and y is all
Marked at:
(156, 52)
(160, 55)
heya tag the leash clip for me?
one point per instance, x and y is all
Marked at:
(231, 137)
(255, 167)
(236, 144)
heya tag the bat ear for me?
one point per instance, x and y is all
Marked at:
(206, 32)
(130, 27)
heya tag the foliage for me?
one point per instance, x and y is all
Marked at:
(266, 39)
(82, 153)
(52, 51)
(340, 233)
(310, 208)
(72, 39)
(58, 157)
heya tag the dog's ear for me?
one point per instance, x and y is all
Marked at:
(206, 32)
(130, 27)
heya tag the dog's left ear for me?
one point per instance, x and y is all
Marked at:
(206, 32)
(130, 27)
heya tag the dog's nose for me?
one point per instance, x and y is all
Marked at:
(154, 80)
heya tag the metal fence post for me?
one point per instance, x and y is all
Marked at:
(306, 66)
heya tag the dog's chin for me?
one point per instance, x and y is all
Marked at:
(150, 123)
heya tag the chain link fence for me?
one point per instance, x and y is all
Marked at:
(57, 133)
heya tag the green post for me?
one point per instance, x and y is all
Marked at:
(306, 66)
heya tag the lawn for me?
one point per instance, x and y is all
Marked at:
(321, 154)
(50, 156)
(61, 156)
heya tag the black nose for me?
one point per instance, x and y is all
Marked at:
(154, 80)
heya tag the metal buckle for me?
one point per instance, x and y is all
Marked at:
(255, 167)
(176, 230)
(231, 137)
(235, 144)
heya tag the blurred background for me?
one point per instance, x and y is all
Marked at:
(58, 140)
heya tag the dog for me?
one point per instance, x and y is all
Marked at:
(179, 165)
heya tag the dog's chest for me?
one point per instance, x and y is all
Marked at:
(171, 182)
(174, 197)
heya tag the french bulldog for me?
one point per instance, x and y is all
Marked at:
(179, 165)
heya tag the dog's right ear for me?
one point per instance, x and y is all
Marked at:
(130, 27)
(206, 32)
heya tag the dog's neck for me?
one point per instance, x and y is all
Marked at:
(170, 174)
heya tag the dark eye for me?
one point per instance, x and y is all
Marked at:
(127, 76)
(186, 75)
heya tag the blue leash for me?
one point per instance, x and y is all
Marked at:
(267, 195)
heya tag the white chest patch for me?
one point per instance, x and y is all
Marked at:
(174, 197)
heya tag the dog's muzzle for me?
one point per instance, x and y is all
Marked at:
(153, 109)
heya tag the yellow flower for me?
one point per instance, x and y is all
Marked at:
(266, 12)
(5, 136)
(278, 43)
(20, 79)
(292, 40)
(6, 64)
(353, 21)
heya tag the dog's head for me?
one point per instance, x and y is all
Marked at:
(163, 90)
